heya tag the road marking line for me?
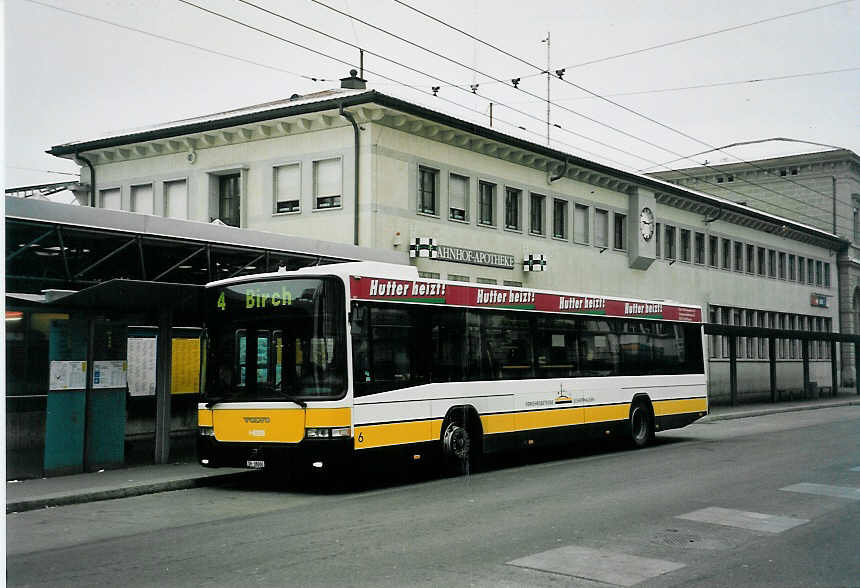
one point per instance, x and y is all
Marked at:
(825, 490)
(619, 569)
(754, 521)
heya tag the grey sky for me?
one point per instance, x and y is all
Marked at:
(70, 78)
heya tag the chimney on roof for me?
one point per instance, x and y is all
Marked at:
(353, 82)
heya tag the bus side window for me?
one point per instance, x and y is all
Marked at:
(598, 348)
(448, 340)
(509, 345)
(399, 357)
(556, 344)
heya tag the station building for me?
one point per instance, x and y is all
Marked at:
(821, 189)
(466, 202)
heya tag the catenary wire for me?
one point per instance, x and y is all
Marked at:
(402, 39)
(639, 114)
(702, 86)
(627, 53)
(241, 23)
(178, 42)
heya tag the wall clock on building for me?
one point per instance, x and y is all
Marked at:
(646, 223)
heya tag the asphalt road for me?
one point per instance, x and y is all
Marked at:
(764, 501)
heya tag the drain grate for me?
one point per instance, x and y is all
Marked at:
(675, 538)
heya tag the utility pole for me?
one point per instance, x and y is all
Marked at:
(547, 87)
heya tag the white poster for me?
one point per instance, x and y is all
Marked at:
(141, 366)
(110, 374)
(68, 375)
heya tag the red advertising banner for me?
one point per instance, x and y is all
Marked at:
(427, 292)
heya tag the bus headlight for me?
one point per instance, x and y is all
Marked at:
(326, 433)
(206, 431)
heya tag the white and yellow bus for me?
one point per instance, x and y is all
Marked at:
(323, 363)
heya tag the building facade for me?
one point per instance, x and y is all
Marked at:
(821, 189)
(473, 204)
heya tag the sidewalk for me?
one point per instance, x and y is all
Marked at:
(148, 479)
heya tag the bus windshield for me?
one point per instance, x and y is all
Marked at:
(275, 340)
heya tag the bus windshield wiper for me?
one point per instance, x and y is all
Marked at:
(212, 402)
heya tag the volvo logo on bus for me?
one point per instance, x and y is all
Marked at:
(257, 419)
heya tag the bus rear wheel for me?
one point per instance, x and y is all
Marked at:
(641, 425)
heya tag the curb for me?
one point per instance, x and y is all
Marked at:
(122, 492)
(775, 410)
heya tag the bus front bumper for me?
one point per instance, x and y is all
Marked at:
(214, 454)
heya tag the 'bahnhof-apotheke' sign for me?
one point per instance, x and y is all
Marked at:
(475, 257)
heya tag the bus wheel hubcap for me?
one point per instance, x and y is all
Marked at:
(456, 441)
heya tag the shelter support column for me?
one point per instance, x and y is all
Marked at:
(163, 362)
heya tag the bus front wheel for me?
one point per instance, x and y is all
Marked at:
(641, 424)
(457, 447)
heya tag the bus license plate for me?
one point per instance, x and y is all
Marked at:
(255, 463)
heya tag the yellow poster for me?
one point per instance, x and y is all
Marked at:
(185, 368)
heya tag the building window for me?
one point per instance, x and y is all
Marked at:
(739, 257)
(536, 210)
(810, 271)
(751, 341)
(700, 248)
(761, 261)
(771, 263)
(658, 239)
(685, 245)
(727, 254)
(429, 275)
(762, 342)
(725, 319)
(458, 197)
(738, 320)
(750, 259)
(781, 266)
(580, 223)
(559, 219)
(819, 280)
(327, 183)
(713, 251)
(110, 199)
(488, 281)
(288, 188)
(512, 209)
(513, 283)
(713, 349)
(176, 199)
(141, 199)
(428, 183)
(228, 199)
(601, 228)
(782, 343)
(669, 245)
(458, 278)
(792, 268)
(826, 275)
(487, 203)
(801, 269)
(619, 236)
(792, 343)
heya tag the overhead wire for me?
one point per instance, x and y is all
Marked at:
(262, 31)
(178, 42)
(635, 51)
(543, 71)
(465, 66)
(703, 86)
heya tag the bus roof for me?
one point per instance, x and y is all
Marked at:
(399, 283)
